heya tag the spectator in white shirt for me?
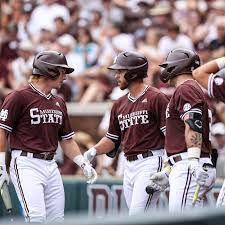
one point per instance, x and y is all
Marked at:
(44, 15)
(174, 39)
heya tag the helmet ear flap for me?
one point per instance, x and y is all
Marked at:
(129, 76)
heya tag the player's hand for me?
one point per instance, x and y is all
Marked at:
(90, 154)
(89, 172)
(4, 177)
(205, 176)
(159, 181)
(200, 173)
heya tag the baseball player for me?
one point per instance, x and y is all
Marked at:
(187, 140)
(209, 76)
(34, 120)
(137, 122)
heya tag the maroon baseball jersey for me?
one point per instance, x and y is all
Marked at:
(35, 121)
(188, 97)
(216, 87)
(139, 123)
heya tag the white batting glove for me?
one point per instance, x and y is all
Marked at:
(88, 170)
(4, 177)
(200, 174)
(159, 181)
(89, 173)
(204, 176)
(90, 154)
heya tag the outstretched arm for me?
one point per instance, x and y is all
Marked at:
(202, 73)
(105, 145)
(72, 151)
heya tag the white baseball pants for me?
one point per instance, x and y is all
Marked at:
(183, 185)
(39, 187)
(221, 198)
(136, 178)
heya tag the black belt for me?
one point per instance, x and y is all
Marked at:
(178, 158)
(135, 157)
(44, 155)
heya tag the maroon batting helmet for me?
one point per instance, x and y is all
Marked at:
(179, 61)
(135, 63)
(47, 63)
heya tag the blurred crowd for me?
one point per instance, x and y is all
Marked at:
(92, 33)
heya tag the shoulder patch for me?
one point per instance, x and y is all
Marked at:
(186, 107)
(218, 81)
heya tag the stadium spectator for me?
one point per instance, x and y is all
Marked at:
(217, 45)
(21, 67)
(174, 39)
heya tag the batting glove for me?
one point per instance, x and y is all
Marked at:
(88, 170)
(159, 181)
(4, 177)
(90, 154)
(89, 173)
(204, 176)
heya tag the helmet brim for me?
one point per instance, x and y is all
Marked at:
(116, 67)
(68, 69)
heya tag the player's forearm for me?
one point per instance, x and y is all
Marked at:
(202, 73)
(3, 146)
(193, 139)
(105, 145)
(3, 140)
(70, 148)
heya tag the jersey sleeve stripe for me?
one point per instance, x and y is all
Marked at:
(68, 136)
(210, 85)
(112, 136)
(5, 127)
(163, 128)
(191, 110)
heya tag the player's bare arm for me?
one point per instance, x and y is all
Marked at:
(70, 148)
(193, 134)
(3, 141)
(72, 151)
(193, 139)
(202, 73)
(105, 145)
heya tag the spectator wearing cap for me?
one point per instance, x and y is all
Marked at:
(174, 39)
(218, 132)
(161, 14)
